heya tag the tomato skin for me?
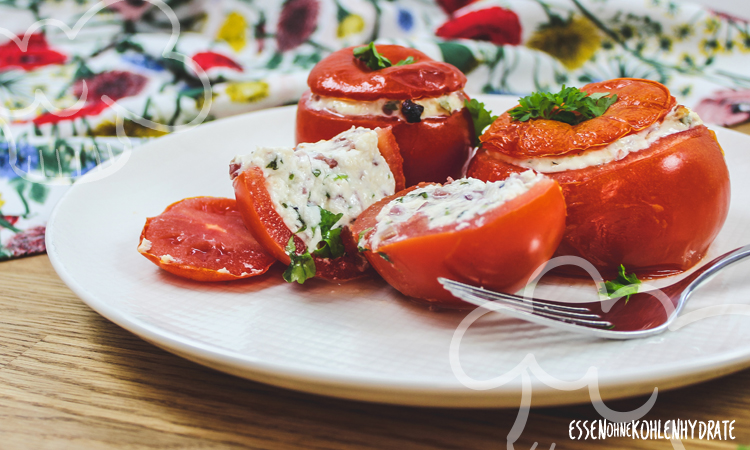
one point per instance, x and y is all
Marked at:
(342, 75)
(208, 226)
(432, 150)
(655, 211)
(501, 254)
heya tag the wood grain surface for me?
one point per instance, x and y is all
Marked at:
(70, 379)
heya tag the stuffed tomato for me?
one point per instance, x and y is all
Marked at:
(423, 102)
(492, 234)
(645, 183)
(204, 239)
(297, 201)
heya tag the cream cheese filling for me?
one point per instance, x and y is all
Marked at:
(343, 176)
(454, 203)
(678, 120)
(442, 106)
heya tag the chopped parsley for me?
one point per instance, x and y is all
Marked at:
(385, 257)
(301, 266)
(628, 283)
(341, 176)
(570, 105)
(423, 194)
(481, 117)
(369, 55)
(291, 176)
(316, 172)
(330, 246)
(274, 164)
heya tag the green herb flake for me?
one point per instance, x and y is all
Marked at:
(274, 164)
(301, 266)
(316, 172)
(331, 245)
(481, 117)
(385, 257)
(570, 105)
(341, 177)
(291, 176)
(362, 236)
(423, 194)
(369, 55)
(628, 283)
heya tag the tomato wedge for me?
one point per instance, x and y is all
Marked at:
(498, 248)
(267, 225)
(203, 239)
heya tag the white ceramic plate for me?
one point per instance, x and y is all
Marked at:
(361, 340)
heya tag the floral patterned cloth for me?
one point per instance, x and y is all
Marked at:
(81, 82)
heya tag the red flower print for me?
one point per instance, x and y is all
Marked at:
(725, 108)
(11, 219)
(209, 60)
(37, 54)
(29, 242)
(497, 25)
(449, 6)
(115, 85)
(297, 22)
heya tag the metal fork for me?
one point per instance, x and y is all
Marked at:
(644, 314)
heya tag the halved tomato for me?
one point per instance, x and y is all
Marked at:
(655, 211)
(268, 227)
(499, 248)
(433, 148)
(204, 239)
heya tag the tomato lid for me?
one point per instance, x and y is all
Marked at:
(344, 76)
(204, 239)
(640, 104)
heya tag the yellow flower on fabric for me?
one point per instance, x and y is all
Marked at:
(710, 47)
(247, 91)
(684, 31)
(234, 31)
(2, 202)
(712, 24)
(131, 129)
(572, 43)
(744, 44)
(352, 24)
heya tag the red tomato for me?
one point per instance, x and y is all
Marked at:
(268, 227)
(656, 211)
(433, 149)
(498, 250)
(204, 239)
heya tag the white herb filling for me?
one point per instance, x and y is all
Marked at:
(433, 107)
(454, 203)
(344, 176)
(677, 120)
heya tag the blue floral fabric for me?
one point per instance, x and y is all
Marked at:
(83, 81)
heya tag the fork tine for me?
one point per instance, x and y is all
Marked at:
(499, 296)
(524, 309)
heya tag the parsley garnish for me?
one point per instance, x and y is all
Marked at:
(385, 257)
(369, 55)
(481, 117)
(274, 164)
(331, 247)
(629, 284)
(301, 266)
(570, 105)
(362, 236)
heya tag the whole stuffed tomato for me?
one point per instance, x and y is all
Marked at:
(646, 183)
(422, 101)
(493, 235)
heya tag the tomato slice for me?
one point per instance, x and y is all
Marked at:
(656, 211)
(498, 249)
(640, 104)
(342, 75)
(268, 227)
(203, 239)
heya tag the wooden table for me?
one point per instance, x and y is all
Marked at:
(70, 379)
